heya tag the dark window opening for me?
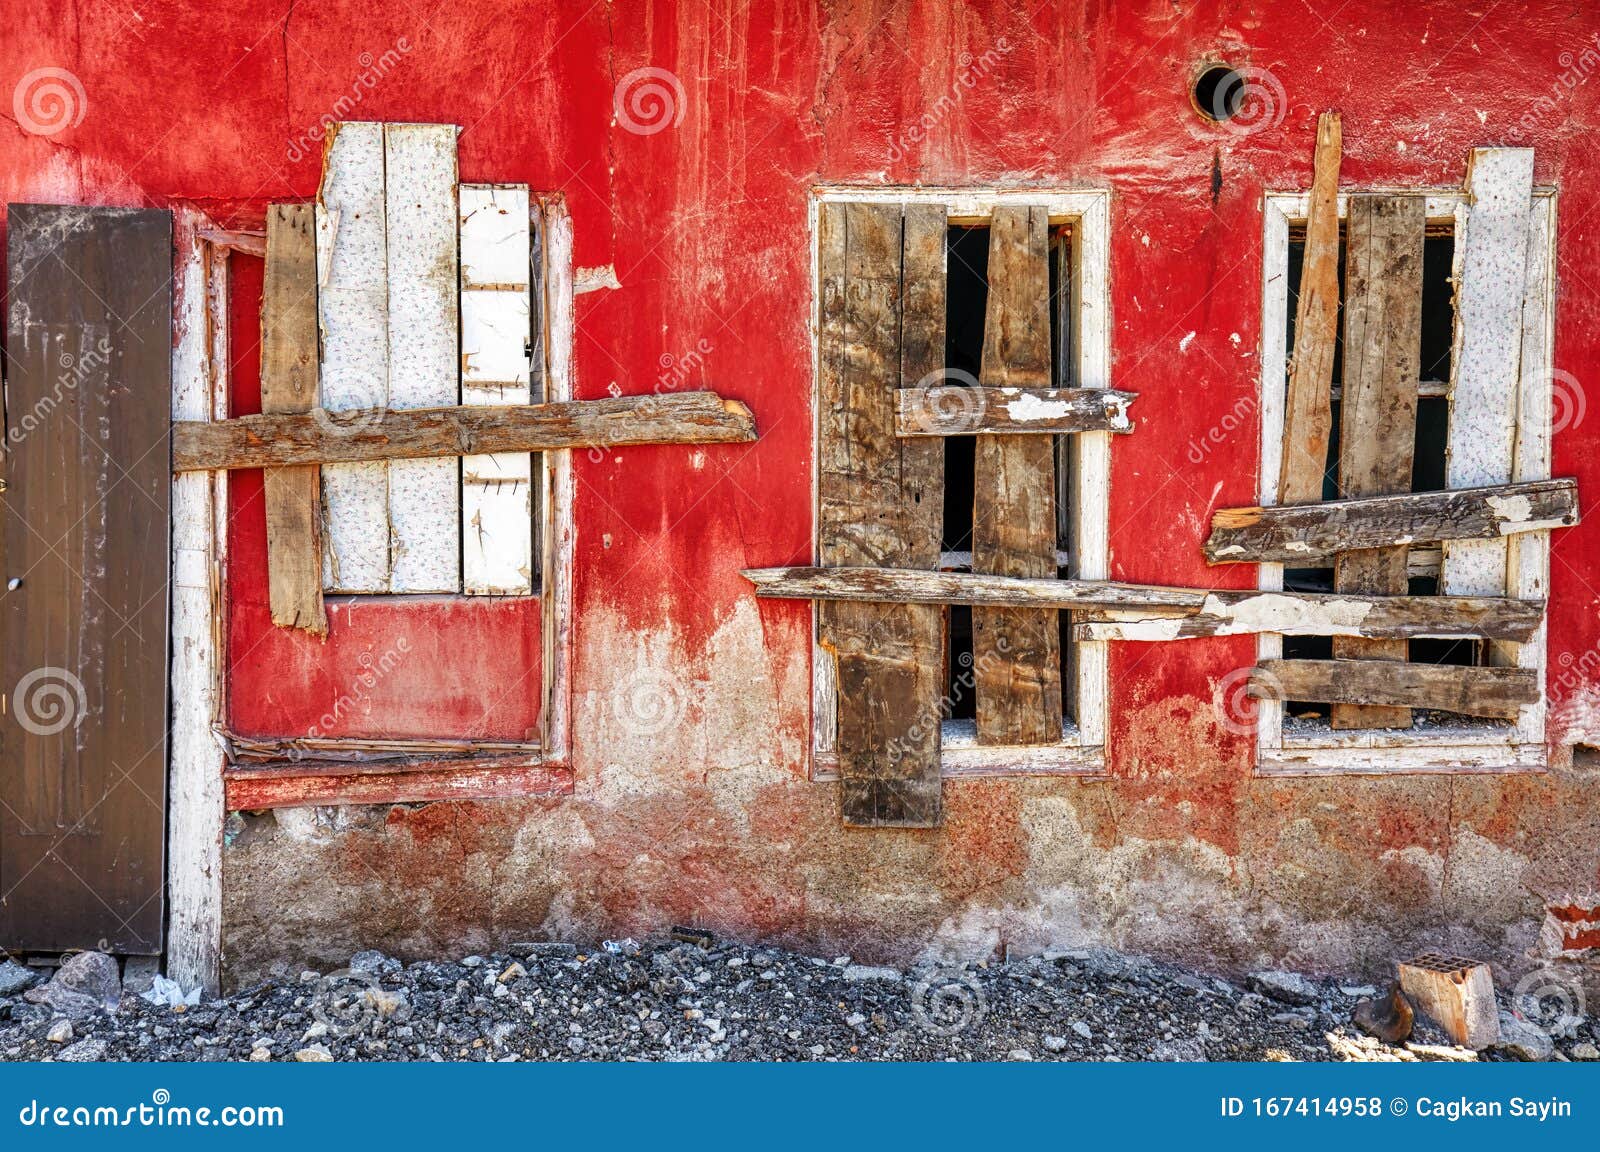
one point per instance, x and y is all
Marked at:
(1428, 465)
(966, 302)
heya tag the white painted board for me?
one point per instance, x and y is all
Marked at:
(424, 370)
(353, 312)
(496, 490)
(1490, 276)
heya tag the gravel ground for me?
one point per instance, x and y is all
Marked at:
(682, 1001)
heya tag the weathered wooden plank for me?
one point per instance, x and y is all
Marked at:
(83, 610)
(960, 410)
(424, 348)
(496, 338)
(1490, 275)
(1308, 413)
(1016, 653)
(353, 312)
(1324, 614)
(476, 778)
(1378, 414)
(293, 496)
(880, 502)
(1183, 612)
(915, 586)
(1495, 693)
(1306, 533)
(384, 434)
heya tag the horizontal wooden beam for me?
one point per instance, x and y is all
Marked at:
(907, 586)
(960, 410)
(1495, 693)
(1307, 532)
(323, 437)
(296, 784)
(1327, 614)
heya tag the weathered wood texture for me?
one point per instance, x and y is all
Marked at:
(880, 502)
(1495, 693)
(1308, 411)
(1324, 614)
(293, 496)
(1184, 612)
(384, 434)
(1016, 653)
(296, 785)
(84, 631)
(420, 231)
(1378, 413)
(960, 410)
(353, 315)
(1305, 533)
(496, 342)
(1491, 272)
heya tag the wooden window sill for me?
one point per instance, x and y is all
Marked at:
(483, 776)
(962, 757)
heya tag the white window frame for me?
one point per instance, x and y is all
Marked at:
(1450, 749)
(1081, 751)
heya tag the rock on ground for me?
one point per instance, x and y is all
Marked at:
(676, 1000)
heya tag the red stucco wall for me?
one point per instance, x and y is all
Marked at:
(705, 225)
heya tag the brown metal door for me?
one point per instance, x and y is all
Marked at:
(83, 556)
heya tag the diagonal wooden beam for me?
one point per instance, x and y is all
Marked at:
(322, 437)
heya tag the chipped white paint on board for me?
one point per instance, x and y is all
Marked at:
(496, 490)
(353, 313)
(424, 513)
(1491, 271)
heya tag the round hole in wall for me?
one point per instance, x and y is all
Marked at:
(1218, 92)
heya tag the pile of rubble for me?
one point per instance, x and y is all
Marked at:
(703, 999)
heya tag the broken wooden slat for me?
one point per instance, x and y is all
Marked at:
(1496, 693)
(1457, 995)
(424, 348)
(1378, 415)
(293, 496)
(1325, 614)
(496, 335)
(960, 410)
(353, 312)
(1308, 412)
(1016, 653)
(1490, 275)
(1305, 533)
(247, 243)
(914, 586)
(384, 434)
(880, 501)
